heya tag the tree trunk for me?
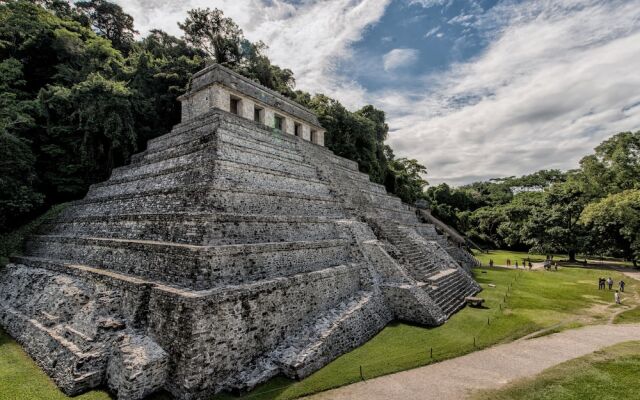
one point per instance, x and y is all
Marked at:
(572, 255)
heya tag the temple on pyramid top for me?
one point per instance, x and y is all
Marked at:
(222, 88)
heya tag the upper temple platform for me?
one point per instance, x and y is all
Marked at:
(220, 87)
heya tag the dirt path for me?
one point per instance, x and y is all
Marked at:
(487, 369)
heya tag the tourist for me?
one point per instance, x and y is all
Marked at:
(616, 296)
(508, 262)
(491, 263)
(601, 283)
(530, 266)
(555, 264)
(516, 264)
(622, 286)
(610, 282)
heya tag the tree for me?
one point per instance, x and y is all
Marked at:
(617, 216)
(409, 183)
(109, 21)
(212, 32)
(19, 195)
(162, 66)
(614, 167)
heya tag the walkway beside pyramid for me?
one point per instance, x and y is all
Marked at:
(225, 254)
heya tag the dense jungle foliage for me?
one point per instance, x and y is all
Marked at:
(594, 209)
(79, 93)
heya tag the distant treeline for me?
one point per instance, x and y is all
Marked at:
(594, 209)
(79, 94)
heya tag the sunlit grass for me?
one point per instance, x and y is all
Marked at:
(609, 374)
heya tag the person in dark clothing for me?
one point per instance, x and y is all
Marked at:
(622, 286)
(601, 283)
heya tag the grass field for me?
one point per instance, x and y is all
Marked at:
(500, 257)
(609, 374)
(517, 303)
(628, 317)
(21, 379)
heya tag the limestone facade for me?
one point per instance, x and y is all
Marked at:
(223, 255)
(219, 87)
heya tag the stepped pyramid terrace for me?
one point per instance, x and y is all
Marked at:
(233, 249)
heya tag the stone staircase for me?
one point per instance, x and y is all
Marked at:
(229, 254)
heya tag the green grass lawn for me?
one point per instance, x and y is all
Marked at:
(628, 317)
(609, 374)
(21, 379)
(520, 303)
(500, 257)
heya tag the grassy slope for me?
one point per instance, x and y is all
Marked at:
(610, 374)
(628, 317)
(500, 257)
(536, 300)
(20, 378)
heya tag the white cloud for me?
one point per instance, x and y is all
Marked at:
(311, 38)
(557, 78)
(432, 32)
(398, 58)
(427, 3)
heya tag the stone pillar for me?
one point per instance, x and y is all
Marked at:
(289, 126)
(220, 98)
(269, 119)
(320, 139)
(247, 108)
(306, 132)
(185, 103)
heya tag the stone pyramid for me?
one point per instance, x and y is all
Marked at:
(227, 253)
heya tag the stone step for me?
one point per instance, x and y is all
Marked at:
(185, 126)
(200, 228)
(179, 136)
(457, 302)
(343, 162)
(344, 327)
(220, 121)
(400, 216)
(209, 198)
(384, 200)
(228, 151)
(271, 160)
(208, 142)
(224, 174)
(201, 267)
(265, 142)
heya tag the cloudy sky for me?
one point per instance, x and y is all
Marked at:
(473, 89)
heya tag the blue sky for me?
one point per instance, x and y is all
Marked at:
(473, 89)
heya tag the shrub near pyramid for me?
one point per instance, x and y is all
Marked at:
(235, 248)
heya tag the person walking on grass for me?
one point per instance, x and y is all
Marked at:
(622, 286)
(530, 266)
(601, 283)
(616, 296)
(516, 264)
(508, 262)
(490, 262)
(610, 282)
